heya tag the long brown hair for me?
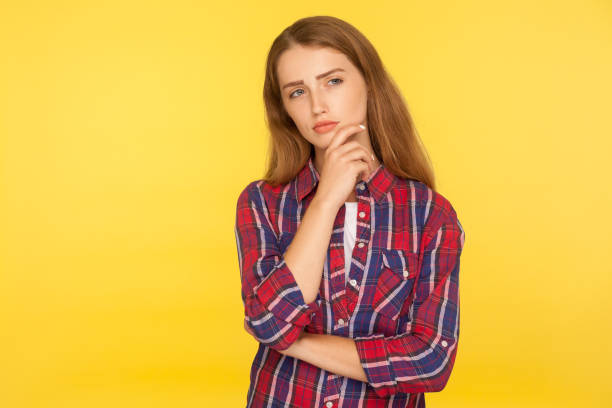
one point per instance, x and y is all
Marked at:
(393, 134)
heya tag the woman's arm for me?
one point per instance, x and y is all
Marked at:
(279, 290)
(308, 249)
(275, 310)
(335, 354)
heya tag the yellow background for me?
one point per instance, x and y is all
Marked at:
(129, 128)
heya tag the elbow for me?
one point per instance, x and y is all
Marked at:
(446, 361)
(439, 384)
(434, 379)
(273, 335)
(275, 330)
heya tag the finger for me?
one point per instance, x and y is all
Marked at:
(348, 146)
(355, 146)
(360, 153)
(345, 147)
(361, 170)
(342, 134)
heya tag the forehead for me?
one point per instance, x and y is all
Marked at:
(303, 63)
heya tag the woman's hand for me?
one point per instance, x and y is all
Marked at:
(345, 163)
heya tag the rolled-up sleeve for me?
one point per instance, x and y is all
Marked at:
(275, 309)
(421, 359)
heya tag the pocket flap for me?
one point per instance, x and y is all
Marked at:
(400, 261)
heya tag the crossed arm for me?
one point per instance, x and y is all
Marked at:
(335, 354)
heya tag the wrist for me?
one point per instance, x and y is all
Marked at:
(324, 205)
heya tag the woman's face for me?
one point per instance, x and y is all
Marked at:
(311, 92)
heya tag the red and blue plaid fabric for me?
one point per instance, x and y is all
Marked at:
(400, 305)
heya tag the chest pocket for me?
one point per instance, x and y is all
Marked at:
(395, 282)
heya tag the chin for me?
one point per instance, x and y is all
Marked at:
(320, 141)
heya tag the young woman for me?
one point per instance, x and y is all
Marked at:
(349, 258)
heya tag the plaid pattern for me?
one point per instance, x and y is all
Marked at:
(400, 305)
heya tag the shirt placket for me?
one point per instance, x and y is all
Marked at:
(361, 250)
(346, 292)
(337, 274)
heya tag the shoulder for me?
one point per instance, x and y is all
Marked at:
(431, 208)
(259, 192)
(418, 193)
(261, 203)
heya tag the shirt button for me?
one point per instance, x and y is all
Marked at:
(329, 404)
(361, 214)
(361, 186)
(405, 273)
(444, 343)
(360, 245)
(340, 321)
(353, 282)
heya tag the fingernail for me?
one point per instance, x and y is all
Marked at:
(361, 126)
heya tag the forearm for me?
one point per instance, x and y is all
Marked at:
(335, 354)
(308, 249)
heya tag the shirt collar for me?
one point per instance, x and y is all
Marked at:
(379, 183)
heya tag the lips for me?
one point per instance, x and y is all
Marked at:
(324, 126)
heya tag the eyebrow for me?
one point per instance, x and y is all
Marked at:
(318, 77)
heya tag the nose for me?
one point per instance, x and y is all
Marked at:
(319, 104)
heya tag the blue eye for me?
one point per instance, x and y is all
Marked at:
(333, 79)
(291, 94)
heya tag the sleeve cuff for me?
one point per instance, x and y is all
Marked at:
(375, 362)
(280, 294)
